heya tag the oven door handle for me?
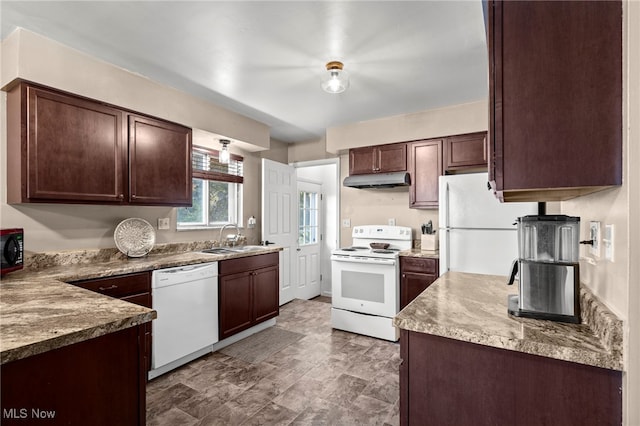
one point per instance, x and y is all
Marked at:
(351, 259)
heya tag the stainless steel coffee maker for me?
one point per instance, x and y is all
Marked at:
(548, 269)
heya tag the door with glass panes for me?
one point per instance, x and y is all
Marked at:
(309, 239)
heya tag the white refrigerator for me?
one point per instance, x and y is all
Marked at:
(477, 232)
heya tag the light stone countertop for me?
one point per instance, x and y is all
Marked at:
(39, 311)
(429, 254)
(473, 308)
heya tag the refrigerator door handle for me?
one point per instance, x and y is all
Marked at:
(446, 205)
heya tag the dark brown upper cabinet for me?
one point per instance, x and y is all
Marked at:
(465, 152)
(160, 162)
(555, 116)
(63, 148)
(425, 167)
(378, 159)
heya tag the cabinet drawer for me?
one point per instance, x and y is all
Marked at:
(142, 299)
(243, 264)
(119, 286)
(418, 264)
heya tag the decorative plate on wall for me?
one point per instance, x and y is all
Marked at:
(134, 237)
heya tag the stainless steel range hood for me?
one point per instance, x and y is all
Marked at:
(378, 180)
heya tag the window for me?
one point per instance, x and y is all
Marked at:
(308, 218)
(217, 191)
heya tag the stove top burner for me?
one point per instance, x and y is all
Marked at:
(348, 249)
(359, 248)
(383, 251)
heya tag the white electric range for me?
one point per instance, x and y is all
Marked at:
(365, 282)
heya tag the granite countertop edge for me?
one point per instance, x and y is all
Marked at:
(79, 336)
(40, 310)
(495, 328)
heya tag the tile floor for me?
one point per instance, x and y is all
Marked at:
(328, 377)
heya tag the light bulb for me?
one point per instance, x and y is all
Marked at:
(223, 157)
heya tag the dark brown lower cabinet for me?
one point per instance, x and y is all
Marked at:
(101, 381)
(416, 274)
(248, 292)
(134, 288)
(450, 382)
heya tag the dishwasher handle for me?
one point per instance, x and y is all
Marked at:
(183, 274)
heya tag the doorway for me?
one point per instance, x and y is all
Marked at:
(327, 174)
(310, 239)
(280, 217)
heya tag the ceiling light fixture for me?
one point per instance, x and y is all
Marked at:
(336, 80)
(223, 157)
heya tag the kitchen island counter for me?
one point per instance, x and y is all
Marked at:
(473, 308)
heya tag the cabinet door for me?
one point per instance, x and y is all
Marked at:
(265, 294)
(235, 303)
(425, 161)
(465, 152)
(361, 160)
(160, 162)
(392, 158)
(555, 98)
(65, 383)
(75, 149)
(412, 284)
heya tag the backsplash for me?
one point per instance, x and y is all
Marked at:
(35, 261)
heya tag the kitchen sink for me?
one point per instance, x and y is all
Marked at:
(246, 248)
(228, 250)
(218, 250)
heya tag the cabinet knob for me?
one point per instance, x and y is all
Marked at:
(121, 197)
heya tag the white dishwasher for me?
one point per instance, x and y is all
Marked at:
(186, 299)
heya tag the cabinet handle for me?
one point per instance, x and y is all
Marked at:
(133, 196)
(121, 197)
(111, 287)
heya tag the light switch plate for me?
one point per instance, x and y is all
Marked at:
(346, 223)
(607, 242)
(594, 235)
(163, 223)
(392, 222)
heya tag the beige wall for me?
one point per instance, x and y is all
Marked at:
(315, 149)
(617, 283)
(32, 57)
(278, 152)
(452, 120)
(377, 206)
(53, 227)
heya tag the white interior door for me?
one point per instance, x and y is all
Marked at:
(279, 224)
(310, 233)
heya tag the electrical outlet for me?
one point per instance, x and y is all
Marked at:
(607, 242)
(594, 235)
(392, 222)
(346, 223)
(163, 223)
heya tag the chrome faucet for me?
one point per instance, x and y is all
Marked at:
(231, 239)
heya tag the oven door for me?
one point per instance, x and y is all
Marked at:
(368, 286)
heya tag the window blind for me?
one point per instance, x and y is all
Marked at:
(206, 165)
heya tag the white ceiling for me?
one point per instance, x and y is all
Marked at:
(265, 59)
